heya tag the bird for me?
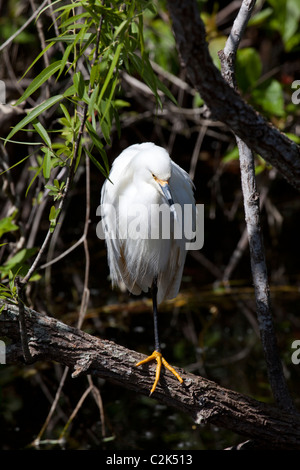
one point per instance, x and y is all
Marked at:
(144, 180)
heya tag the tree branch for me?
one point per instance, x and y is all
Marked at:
(225, 104)
(24, 26)
(252, 216)
(202, 399)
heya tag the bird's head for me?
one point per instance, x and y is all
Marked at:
(153, 165)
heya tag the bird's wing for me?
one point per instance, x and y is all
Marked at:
(182, 189)
(121, 251)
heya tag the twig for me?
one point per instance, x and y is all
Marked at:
(177, 81)
(196, 152)
(86, 291)
(24, 26)
(75, 411)
(98, 399)
(41, 34)
(240, 248)
(39, 27)
(37, 440)
(252, 216)
(65, 253)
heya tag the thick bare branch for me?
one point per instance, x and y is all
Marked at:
(225, 103)
(202, 399)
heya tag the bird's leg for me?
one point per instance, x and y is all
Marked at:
(155, 315)
(157, 352)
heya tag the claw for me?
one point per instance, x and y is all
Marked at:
(160, 360)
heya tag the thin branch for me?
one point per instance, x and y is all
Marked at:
(24, 26)
(39, 27)
(240, 248)
(98, 399)
(60, 206)
(37, 440)
(65, 253)
(252, 216)
(86, 291)
(196, 152)
(75, 411)
(40, 31)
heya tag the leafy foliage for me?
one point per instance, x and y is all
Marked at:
(99, 40)
(108, 37)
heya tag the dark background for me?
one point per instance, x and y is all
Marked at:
(209, 329)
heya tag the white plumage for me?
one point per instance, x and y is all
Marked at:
(129, 195)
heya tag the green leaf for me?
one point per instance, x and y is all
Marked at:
(42, 132)
(231, 155)
(65, 58)
(79, 84)
(111, 70)
(71, 91)
(293, 137)
(66, 113)
(95, 72)
(93, 100)
(270, 97)
(292, 42)
(215, 45)
(52, 189)
(53, 215)
(7, 225)
(248, 68)
(285, 18)
(260, 17)
(166, 91)
(104, 125)
(121, 26)
(74, 21)
(18, 163)
(97, 163)
(34, 114)
(39, 80)
(47, 165)
(17, 261)
(99, 146)
(38, 57)
(69, 38)
(38, 170)
(143, 67)
(94, 136)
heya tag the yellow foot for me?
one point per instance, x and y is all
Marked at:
(159, 359)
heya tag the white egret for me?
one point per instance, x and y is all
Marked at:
(143, 178)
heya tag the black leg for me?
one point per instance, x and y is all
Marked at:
(156, 355)
(155, 315)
